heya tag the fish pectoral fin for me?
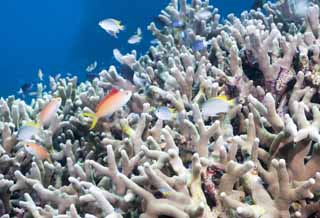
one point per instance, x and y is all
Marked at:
(94, 119)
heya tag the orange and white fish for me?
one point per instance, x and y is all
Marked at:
(49, 111)
(109, 104)
(37, 150)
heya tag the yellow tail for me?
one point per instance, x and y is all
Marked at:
(33, 124)
(94, 119)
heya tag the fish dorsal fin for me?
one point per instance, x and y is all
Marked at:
(139, 31)
(111, 93)
(225, 99)
(222, 97)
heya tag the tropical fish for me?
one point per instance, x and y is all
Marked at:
(198, 45)
(37, 150)
(92, 67)
(216, 106)
(26, 88)
(111, 26)
(136, 38)
(109, 104)
(49, 111)
(26, 132)
(165, 113)
(40, 74)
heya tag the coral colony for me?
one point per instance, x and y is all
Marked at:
(153, 152)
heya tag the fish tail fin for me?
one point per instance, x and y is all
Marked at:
(121, 27)
(231, 101)
(127, 130)
(94, 119)
(139, 32)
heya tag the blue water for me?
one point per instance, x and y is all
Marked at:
(62, 36)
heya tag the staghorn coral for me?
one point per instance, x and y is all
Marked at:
(260, 159)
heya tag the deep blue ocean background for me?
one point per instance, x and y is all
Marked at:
(63, 36)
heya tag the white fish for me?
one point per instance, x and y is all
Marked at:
(204, 14)
(111, 26)
(154, 41)
(136, 38)
(92, 66)
(26, 132)
(215, 106)
(40, 74)
(164, 113)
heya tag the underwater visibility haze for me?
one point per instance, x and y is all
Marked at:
(160, 109)
(63, 37)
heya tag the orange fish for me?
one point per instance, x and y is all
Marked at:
(39, 151)
(49, 111)
(109, 104)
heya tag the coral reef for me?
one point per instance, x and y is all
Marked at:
(259, 159)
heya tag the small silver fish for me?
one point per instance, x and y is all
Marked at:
(215, 106)
(164, 113)
(136, 38)
(26, 133)
(92, 67)
(111, 26)
(40, 75)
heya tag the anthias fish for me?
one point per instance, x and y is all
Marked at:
(92, 67)
(111, 26)
(217, 105)
(114, 101)
(49, 111)
(37, 150)
(136, 38)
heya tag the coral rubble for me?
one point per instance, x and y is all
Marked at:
(259, 159)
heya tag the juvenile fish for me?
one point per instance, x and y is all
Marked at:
(37, 150)
(136, 38)
(215, 106)
(165, 113)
